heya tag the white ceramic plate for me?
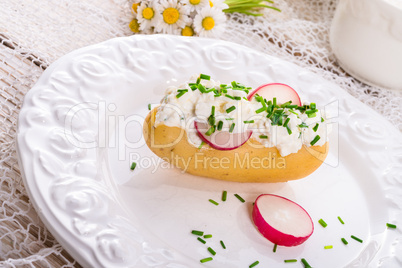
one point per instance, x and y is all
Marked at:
(80, 129)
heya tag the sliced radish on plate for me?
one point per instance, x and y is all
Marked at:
(221, 139)
(283, 93)
(282, 221)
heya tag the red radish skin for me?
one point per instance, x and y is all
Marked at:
(222, 140)
(282, 221)
(283, 93)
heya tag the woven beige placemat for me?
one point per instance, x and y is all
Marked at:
(33, 34)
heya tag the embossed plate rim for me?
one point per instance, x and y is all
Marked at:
(87, 253)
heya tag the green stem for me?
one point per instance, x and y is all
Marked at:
(248, 7)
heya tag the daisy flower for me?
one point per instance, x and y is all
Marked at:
(147, 14)
(134, 7)
(174, 17)
(188, 30)
(195, 5)
(219, 4)
(209, 22)
(134, 26)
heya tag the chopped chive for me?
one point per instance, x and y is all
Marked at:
(210, 90)
(223, 85)
(213, 202)
(340, 219)
(220, 125)
(289, 130)
(311, 115)
(279, 111)
(270, 107)
(240, 198)
(254, 264)
(314, 141)
(306, 265)
(303, 125)
(149, 106)
(234, 84)
(195, 232)
(269, 114)
(356, 238)
(230, 118)
(237, 97)
(390, 225)
(201, 240)
(206, 259)
(286, 122)
(224, 195)
(260, 110)
(292, 106)
(232, 108)
(280, 120)
(316, 127)
(211, 251)
(193, 87)
(274, 249)
(232, 126)
(284, 105)
(312, 111)
(207, 236)
(313, 106)
(263, 137)
(213, 110)
(211, 120)
(322, 119)
(133, 165)
(344, 241)
(290, 260)
(205, 76)
(293, 112)
(274, 102)
(202, 143)
(229, 96)
(323, 223)
(201, 88)
(181, 93)
(328, 247)
(210, 131)
(248, 122)
(223, 244)
(198, 81)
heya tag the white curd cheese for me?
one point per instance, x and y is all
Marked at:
(232, 107)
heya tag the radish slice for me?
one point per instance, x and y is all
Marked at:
(222, 140)
(283, 93)
(282, 221)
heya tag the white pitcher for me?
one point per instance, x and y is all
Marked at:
(366, 38)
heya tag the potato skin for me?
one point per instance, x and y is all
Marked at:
(244, 164)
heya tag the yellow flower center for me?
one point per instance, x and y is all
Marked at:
(187, 31)
(148, 13)
(134, 7)
(195, 2)
(211, 4)
(208, 23)
(171, 15)
(134, 26)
